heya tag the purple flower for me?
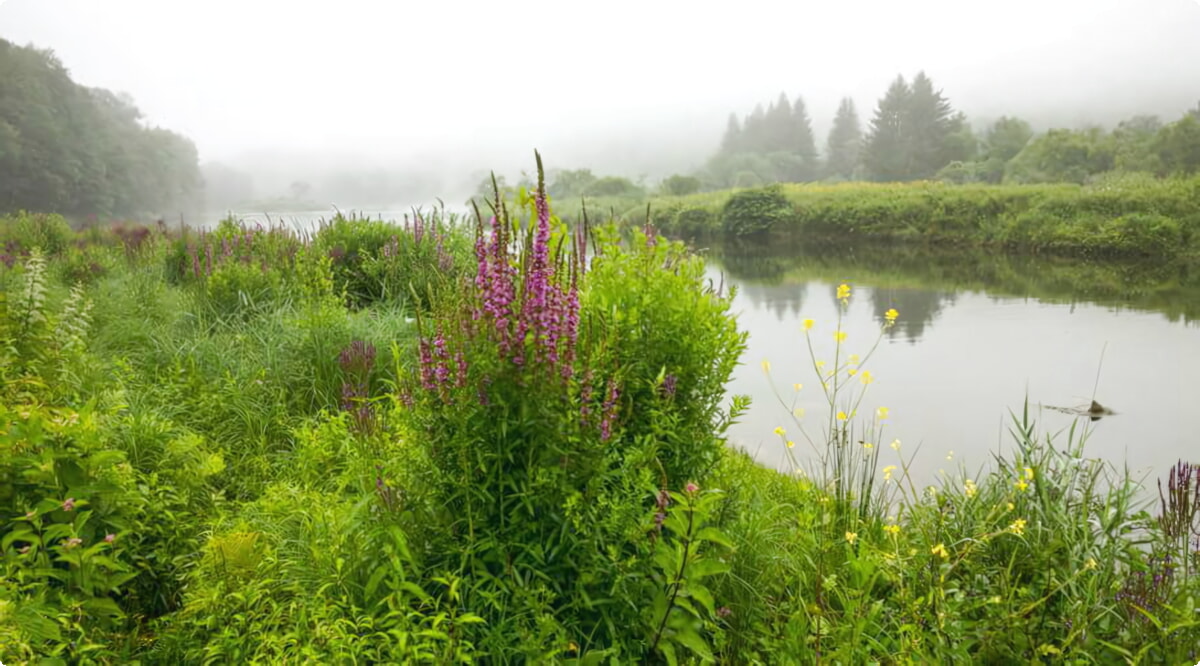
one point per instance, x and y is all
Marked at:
(109, 538)
(724, 611)
(69, 504)
(73, 542)
(691, 488)
(669, 385)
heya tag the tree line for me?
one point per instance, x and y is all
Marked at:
(83, 151)
(916, 134)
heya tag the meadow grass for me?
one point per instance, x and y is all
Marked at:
(504, 443)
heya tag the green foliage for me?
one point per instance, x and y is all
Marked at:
(83, 151)
(47, 232)
(778, 142)
(751, 212)
(679, 185)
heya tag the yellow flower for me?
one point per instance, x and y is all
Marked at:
(969, 488)
(1091, 563)
(895, 444)
(866, 377)
(799, 412)
(839, 336)
(808, 324)
(1029, 474)
(950, 455)
(572, 647)
(940, 550)
(882, 413)
(891, 315)
(780, 431)
(868, 446)
(894, 530)
(841, 416)
(887, 472)
(851, 372)
(820, 364)
(791, 444)
(851, 537)
(797, 386)
(1017, 527)
(1021, 485)
(853, 359)
(766, 366)
(843, 292)
(1011, 506)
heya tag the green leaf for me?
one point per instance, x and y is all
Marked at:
(714, 535)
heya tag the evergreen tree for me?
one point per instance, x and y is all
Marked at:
(801, 142)
(731, 143)
(845, 142)
(754, 131)
(886, 150)
(929, 123)
(779, 126)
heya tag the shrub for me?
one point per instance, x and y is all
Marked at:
(756, 211)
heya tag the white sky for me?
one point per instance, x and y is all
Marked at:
(499, 78)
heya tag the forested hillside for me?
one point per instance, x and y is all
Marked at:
(82, 151)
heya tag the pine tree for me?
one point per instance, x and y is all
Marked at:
(754, 131)
(930, 121)
(887, 148)
(802, 142)
(731, 143)
(845, 142)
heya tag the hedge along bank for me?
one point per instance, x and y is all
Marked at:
(1123, 216)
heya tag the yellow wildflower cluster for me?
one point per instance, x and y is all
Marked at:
(887, 472)
(969, 488)
(940, 551)
(892, 529)
(851, 537)
(1017, 527)
(890, 316)
(1022, 482)
(843, 293)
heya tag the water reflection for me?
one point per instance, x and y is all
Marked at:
(978, 333)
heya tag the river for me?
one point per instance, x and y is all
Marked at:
(978, 334)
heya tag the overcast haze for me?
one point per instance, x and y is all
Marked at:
(632, 87)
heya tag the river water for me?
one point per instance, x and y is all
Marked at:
(978, 335)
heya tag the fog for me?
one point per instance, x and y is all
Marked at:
(641, 89)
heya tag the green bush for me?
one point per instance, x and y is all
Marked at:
(751, 212)
(49, 232)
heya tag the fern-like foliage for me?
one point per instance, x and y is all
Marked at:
(73, 323)
(29, 309)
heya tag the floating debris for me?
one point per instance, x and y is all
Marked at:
(1094, 411)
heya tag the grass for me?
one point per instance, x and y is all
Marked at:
(349, 448)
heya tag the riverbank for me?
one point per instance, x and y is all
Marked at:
(429, 444)
(1129, 215)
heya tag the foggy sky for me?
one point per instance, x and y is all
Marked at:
(622, 85)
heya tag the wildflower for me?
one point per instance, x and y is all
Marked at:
(851, 372)
(868, 446)
(882, 413)
(891, 315)
(798, 412)
(892, 529)
(790, 444)
(841, 416)
(851, 537)
(940, 551)
(797, 386)
(1011, 506)
(808, 324)
(969, 488)
(843, 293)
(766, 366)
(853, 359)
(1029, 474)
(1021, 484)
(1017, 527)
(780, 431)
(572, 647)
(820, 364)
(109, 538)
(68, 504)
(73, 542)
(839, 336)
(691, 488)
(895, 445)
(1090, 564)
(950, 455)
(866, 377)
(887, 472)
(724, 611)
